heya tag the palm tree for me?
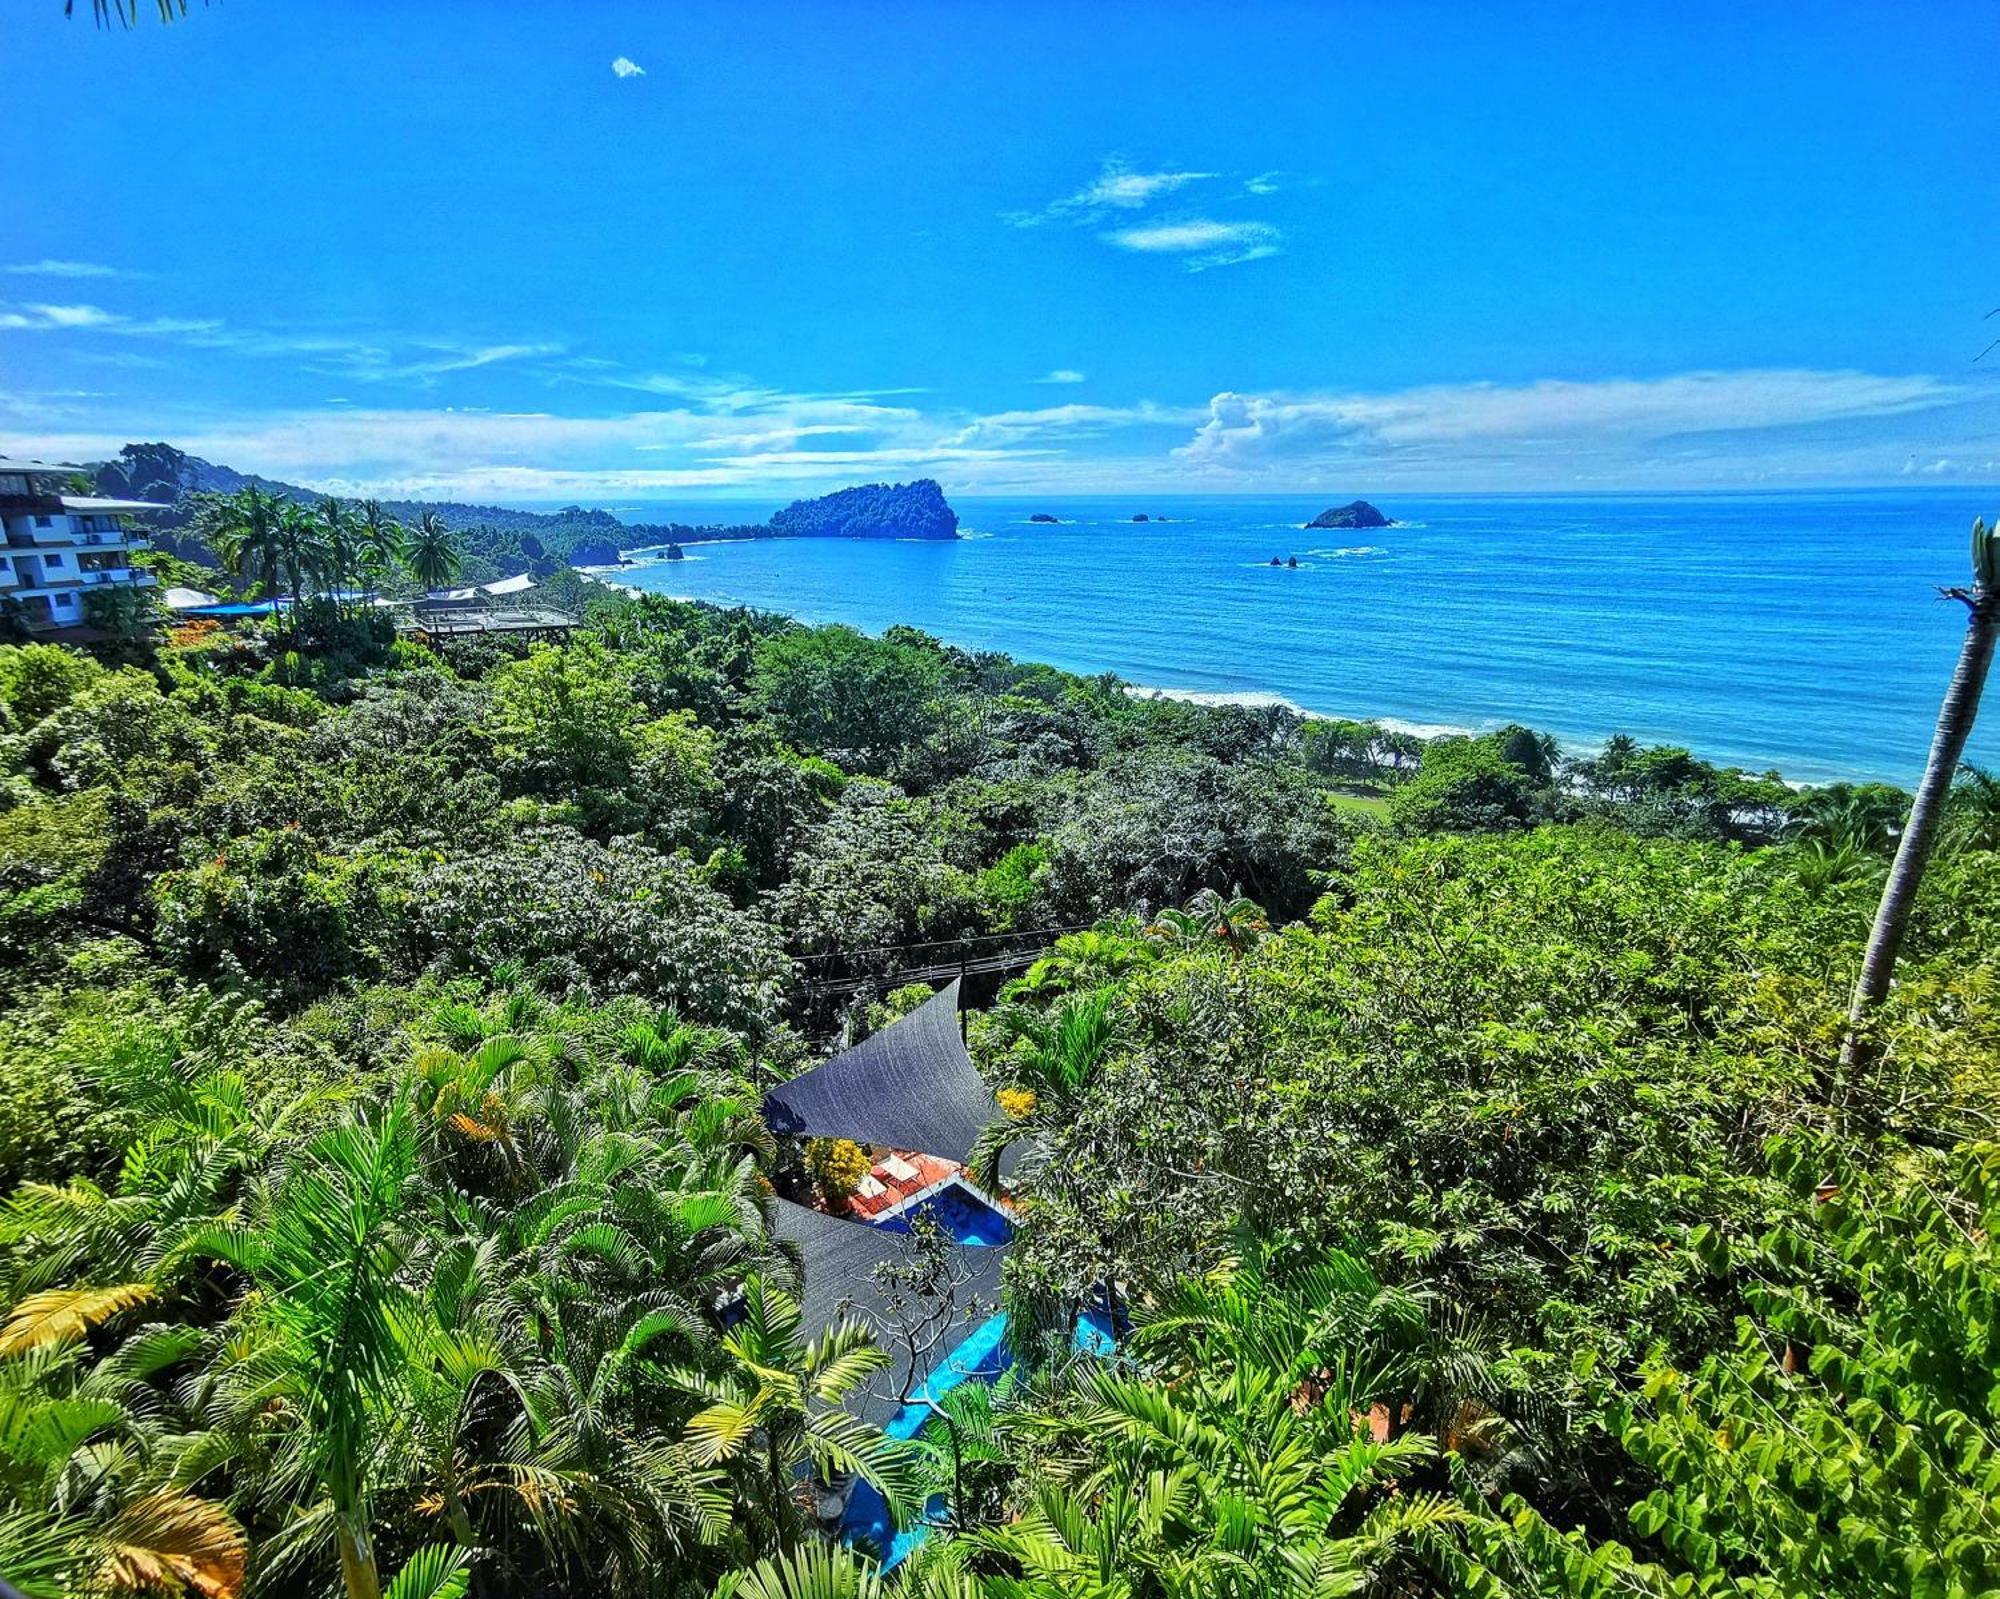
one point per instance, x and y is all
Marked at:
(89, 1501)
(1177, 928)
(1239, 923)
(1222, 1482)
(1920, 833)
(1975, 809)
(340, 535)
(303, 554)
(318, 1343)
(127, 11)
(247, 532)
(381, 540)
(432, 552)
(815, 1571)
(1275, 1449)
(775, 1410)
(1056, 1055)
(1082, 960)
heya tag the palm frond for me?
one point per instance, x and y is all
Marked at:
(436, 1571)
(62, 1315)
(175, 1542)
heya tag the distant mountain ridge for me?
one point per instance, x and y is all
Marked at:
(537, 541)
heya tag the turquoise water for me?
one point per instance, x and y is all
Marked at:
(982, 1354)
(1801, 632)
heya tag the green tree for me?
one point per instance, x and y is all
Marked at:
(867, 703)
(1241, 1459)
(382, 541)
(1927, 811)
(305, 555)
(319, 1334)
(1055, 1056)
(1846, 1445)
(773, 1411)
(249, 535)
(431, 552)
(340, 538)
(1467, 785)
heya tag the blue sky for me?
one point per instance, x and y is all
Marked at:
(519, 251)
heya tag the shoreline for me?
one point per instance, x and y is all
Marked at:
(1262, 699)
(1573, 746)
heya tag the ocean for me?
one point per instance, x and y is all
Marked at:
(1795, 632)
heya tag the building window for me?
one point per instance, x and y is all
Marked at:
(53, 560)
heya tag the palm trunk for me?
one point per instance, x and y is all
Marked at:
(1920, 833)
(357, 1560)
(454, 1502)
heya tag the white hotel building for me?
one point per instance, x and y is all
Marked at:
(60, 547)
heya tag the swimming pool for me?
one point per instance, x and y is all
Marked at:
(962, 1213)
(981, 1355)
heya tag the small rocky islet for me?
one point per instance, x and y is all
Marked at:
(1356, 513)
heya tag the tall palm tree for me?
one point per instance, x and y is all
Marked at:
(1927, 811)
(247, 530)
(302, 553)
(318, 1345)
(381, 540)
(432, 552)
(340, 536)
(774, 1410)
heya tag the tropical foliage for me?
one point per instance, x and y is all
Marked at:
(1453, 1136)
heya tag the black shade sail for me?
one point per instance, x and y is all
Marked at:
(911, 1086)
(837, 1261)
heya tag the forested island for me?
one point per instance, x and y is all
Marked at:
(1452, 1135)
(498, 541)
(874, 511)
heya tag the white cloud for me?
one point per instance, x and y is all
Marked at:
(1051, 422)
(39, 318)
(46, 268)
(1118, 187)
(456, 358)
(1127, 190)
(1062, 374)
(729, 434)
(1263, 183)
(1691, 427)
(419, 361)
(626, 67)
(64, 316)
(1205, 243)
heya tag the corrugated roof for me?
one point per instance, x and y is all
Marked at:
(911, 1086)
(88, 504)
(15, 463)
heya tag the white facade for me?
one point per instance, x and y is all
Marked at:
(60, 547)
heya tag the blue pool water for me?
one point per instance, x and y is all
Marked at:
(982, 1355)
(961, 1213)
(237, 608)
(1801, 631)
